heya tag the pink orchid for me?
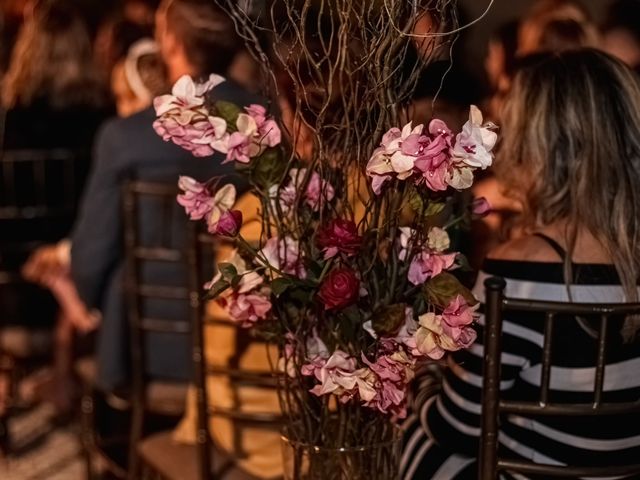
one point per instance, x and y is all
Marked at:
(428, 264)
(186, 94)
(229, 224)
(474, 144)
(338, 376)
(460, 177)
(223, 200)
(255, 133)
(284, 255)
(196, 199)
(184, 119)
(318, 191)
(438, 239)
(268, 129)
(450, 331)
(394, 372)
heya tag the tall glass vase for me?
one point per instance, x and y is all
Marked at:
(375, 461)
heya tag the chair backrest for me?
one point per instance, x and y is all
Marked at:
(201, 263)
(154, 252)
(490, 463)
(39, 195)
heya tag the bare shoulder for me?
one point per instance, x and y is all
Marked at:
(529, 248)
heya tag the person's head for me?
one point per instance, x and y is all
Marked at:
(138, 78)
(621, 32)
(195, 37)
(534, 27)
(501, 52)
(52, 58)
(114, 38)
(571, 151)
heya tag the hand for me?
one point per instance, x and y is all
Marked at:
(44, 265)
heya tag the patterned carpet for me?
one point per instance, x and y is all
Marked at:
(42, 450)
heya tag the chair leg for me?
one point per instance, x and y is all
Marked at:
(137, 426)
(87, 432)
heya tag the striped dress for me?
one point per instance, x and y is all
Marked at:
(443, 430)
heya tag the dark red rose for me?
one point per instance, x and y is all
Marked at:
(339, 289)
(228, 224)
(339, 236)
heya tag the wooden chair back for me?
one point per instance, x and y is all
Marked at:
(162, 243)
(201, 261)
(490, 462)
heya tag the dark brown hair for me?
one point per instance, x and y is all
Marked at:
(208, 33)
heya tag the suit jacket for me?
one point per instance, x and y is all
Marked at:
(127, 148)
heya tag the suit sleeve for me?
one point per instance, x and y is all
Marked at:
(96, 239)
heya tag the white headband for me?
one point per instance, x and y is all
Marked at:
(143, 47)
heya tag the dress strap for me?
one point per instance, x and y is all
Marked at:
(553, 244)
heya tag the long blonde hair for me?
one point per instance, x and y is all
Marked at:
(571, 152)
(52, 58)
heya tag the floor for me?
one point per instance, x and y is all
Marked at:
(43, 450)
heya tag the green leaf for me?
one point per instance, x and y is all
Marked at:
(216, 289)
(388, 320)
(443, 288)
(229, 112)
(228, 271)
(280, 285)
(268, 168)
(424, 206)
(434, 208)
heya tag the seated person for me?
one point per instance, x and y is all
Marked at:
(136, 80)
(195, 38)
(571, 157)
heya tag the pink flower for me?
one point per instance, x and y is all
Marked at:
(474, 144)
(339, 236)
(255, 134)
(284, 255)
(428, 264)
(196, 199)
(247, 309)
(480, 207)
(222, 202)
(318, 192)
(229, 224)
(184, 119)
(450, 331)
(239, 148)
(268, 129)
(338, 376)
(393, 374)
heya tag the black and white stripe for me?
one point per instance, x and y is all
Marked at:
(442, 434)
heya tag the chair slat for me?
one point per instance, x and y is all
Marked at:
(600, 362)
(493, 406)
(545, 371)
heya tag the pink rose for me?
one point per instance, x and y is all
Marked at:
(339, 236)
(339, 289)
(428, 264)
(229, 224)
(247, 309)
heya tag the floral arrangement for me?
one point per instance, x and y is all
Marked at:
(354, 297)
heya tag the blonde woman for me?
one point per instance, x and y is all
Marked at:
(571, 157)
(51, 91)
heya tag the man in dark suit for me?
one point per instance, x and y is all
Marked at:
(196, 39)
